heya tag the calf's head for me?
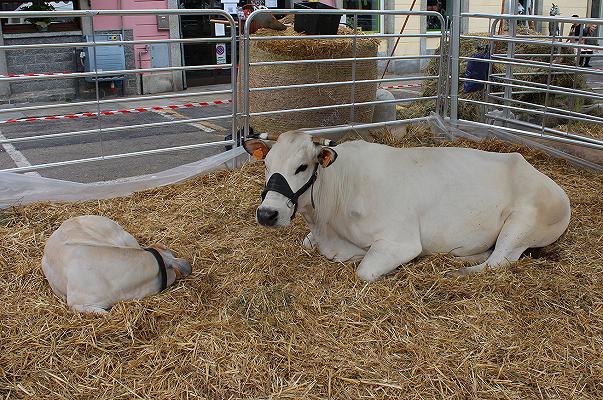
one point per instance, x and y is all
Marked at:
(292, 165)
(176, 268)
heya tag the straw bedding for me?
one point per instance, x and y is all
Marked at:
(261, 317)
(295, 74)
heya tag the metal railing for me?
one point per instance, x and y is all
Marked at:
(439, 97)
(99, 104)
(513, 91)
(508, 91)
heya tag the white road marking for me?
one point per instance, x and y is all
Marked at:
(18, 158)
(172, 115)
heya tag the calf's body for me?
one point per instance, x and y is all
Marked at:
(91, 262)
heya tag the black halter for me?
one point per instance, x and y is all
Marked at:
(162, 269)
(277, 183)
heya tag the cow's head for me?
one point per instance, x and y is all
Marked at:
(292, 165)
(176, 268)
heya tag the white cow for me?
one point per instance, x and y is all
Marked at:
(92, 263)
(388, 205)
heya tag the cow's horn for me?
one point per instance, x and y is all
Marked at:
(265, 136)
(323, 142)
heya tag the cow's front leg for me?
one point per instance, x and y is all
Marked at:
(339, 249)
(309, 241)
(384, 256)
(333, 246)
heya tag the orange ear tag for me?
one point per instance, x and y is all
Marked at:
(258, 153)
(326, 160)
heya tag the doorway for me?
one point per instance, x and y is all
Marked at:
(194, 54)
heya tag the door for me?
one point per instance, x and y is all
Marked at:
(199, 26)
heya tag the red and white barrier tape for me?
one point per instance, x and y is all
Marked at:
(30, 75)
(120, 112)
(402, 86)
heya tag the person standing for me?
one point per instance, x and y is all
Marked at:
(587, 39)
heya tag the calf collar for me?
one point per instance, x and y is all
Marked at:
(277, 183)
(162, 268)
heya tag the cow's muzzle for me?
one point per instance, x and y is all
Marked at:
(277, 183)
(266, 216)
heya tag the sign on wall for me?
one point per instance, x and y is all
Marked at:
(221, 53)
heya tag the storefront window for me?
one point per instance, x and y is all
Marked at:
(367, 23)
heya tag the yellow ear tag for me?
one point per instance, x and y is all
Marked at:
(326, 160)
(258, 153)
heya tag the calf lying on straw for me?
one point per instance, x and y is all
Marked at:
(92, 263)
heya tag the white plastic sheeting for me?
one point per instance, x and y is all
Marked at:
(555, 149)
(17, 189)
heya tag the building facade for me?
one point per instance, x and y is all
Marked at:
(73, 30)
(423, 46)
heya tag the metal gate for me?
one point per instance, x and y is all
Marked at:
(121, 145)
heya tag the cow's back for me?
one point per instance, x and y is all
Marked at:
(459, 197)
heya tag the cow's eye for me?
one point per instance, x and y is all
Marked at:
(301, 168)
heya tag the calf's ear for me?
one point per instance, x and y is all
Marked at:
(326, 156)
(257, 148)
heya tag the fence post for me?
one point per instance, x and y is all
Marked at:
(510, 54)
(454, 47)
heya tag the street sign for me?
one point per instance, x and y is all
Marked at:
(221, 53)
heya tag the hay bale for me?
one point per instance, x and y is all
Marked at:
(280, 75)
(262, 317)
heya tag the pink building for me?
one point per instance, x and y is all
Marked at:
(143, 26)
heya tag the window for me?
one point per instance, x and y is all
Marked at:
(25, 25)
(441, 6)
(367, 23)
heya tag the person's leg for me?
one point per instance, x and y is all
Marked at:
(587, 58)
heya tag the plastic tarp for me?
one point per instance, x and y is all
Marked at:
(467, 130)
(17, 189)
(476, 70)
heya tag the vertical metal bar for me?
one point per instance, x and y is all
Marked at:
(245, 83)
(96, 86)
(491, 47)
(510, 54)
(548, 82)
(233, 78)
(442, 93)
(455, 42)
(577, 64)
(354, 54)
(446, 54)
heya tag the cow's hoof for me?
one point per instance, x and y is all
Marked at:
(366, 275)
(454, 274)
(309, 241)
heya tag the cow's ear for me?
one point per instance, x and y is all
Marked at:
(326, 156)
(257, 148)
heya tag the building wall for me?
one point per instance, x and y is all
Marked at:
(414, 46)
(41, 61)
(143, 26)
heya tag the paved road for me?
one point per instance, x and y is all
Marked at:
(122, 141)
(117, 142)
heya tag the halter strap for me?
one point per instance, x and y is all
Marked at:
(162, 268)
(277, 183)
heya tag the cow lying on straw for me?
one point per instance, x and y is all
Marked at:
(388, 205)
(92, 263)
